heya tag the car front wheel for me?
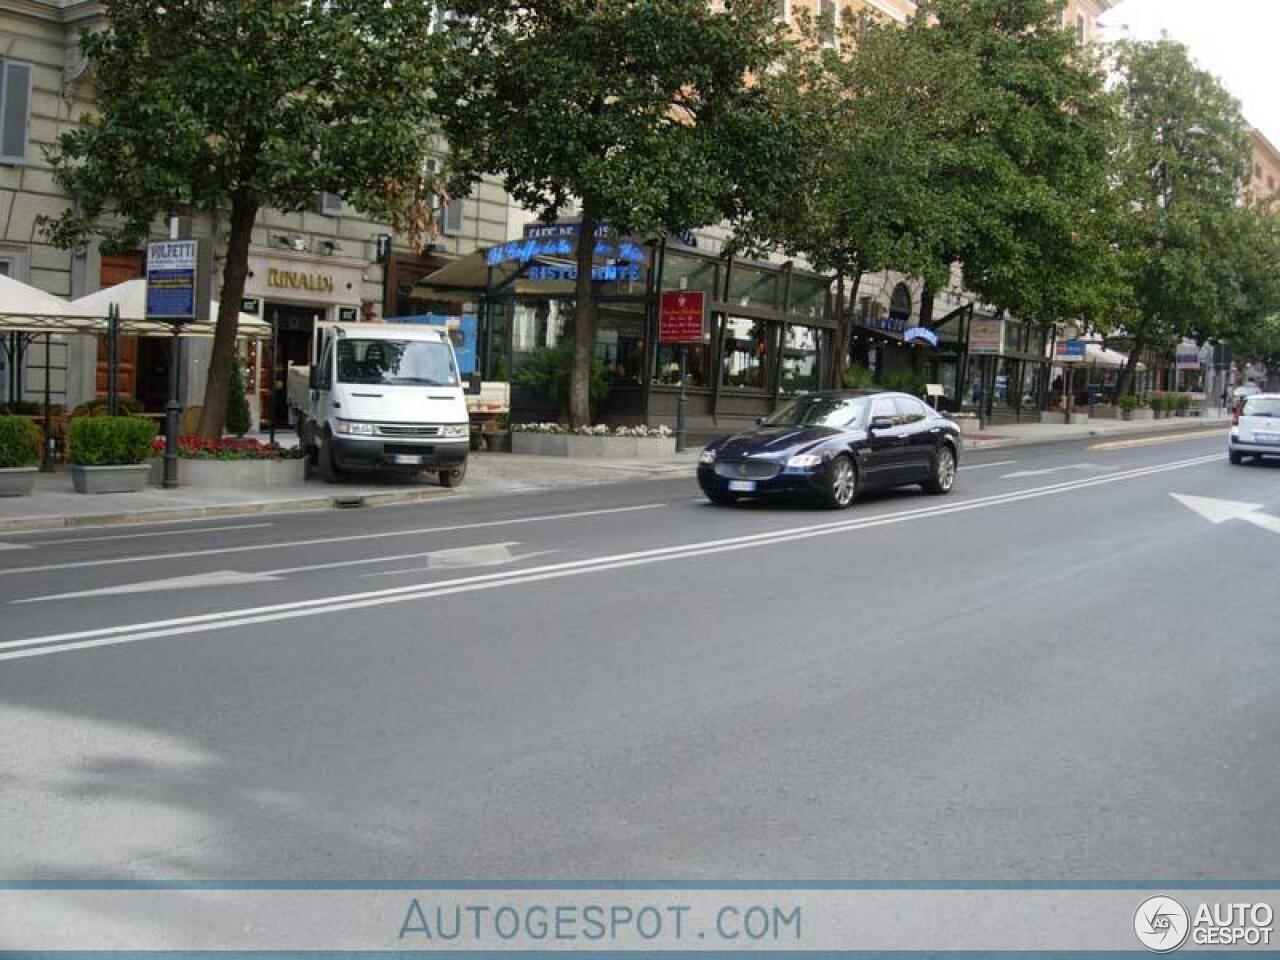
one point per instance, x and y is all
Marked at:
(454, 476)
(942, 475)
(720, 498)
(1235, 457)
(841, 485)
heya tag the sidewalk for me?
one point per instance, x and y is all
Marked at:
(55, 505)
(1026, 434)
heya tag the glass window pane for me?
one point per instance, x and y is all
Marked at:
(620, 340)
(681, 272)
(697, 370)
(800, 359)
(747, 346)
(538, 324)
(754, 287)
(808, 297)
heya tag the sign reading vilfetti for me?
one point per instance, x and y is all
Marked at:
(172, 279)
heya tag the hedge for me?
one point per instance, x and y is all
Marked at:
(108, 441)
(19, 442)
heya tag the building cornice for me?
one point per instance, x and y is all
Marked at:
(72, 11)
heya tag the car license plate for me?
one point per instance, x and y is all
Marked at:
(1266, 438)
(742, 486)
(406, 458)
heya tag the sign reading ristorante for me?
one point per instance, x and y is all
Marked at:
(681, 316)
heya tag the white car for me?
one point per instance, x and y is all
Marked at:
(1255, 428)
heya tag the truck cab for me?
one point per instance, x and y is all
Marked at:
(384, 398)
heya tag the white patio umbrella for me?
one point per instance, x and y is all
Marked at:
(28, 309)
(131, 297)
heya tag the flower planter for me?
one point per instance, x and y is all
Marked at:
(587, 446)
(17, 481)
(235, 473)
(1141, 413)
(1078, 415)
(498, 442)
(117, 478)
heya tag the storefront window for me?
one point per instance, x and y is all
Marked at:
(808, 297)
(497, 365)
(755, 287)
(800, 359)
(620, 340)
(539, 324)
(747, 349)
(697, 365)
(681, 272)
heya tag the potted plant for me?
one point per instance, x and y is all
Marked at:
(1184, 404)
(19, 454)
(1127, 404)
(1157, 406)
(108, 454)
(498, 440)
(232, 462)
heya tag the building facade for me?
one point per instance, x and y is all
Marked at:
(1264, 172)
(315, 265)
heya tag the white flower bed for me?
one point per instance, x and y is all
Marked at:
(596, 430)
(598, 441)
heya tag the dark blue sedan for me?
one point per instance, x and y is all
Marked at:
(831, 446)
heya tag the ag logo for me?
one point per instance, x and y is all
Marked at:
(1161, 924)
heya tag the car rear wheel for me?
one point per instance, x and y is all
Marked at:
(942, 475)
(1235, 456)
(842, 484)
(720, 498)
(329, 471)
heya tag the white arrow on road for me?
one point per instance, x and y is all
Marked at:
(215, 578)
(1083, 467)
(1220, 511)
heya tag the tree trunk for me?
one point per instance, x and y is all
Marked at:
(584, 324)
(1125, 381)
(244, 211)
(844, 327)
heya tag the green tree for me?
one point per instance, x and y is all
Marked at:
(237, 403)
(627, 107)
(1180, 169)
(230, 107)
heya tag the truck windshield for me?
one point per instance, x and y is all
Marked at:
(396, 362)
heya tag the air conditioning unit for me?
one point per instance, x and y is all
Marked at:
(330, 204)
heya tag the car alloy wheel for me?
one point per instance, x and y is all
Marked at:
(842, 483)
(944, 471)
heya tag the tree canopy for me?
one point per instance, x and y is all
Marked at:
(229, 107)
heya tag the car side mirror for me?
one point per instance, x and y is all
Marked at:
(473, 385)
(882, 423)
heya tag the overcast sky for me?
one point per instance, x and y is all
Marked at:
(1239, 40)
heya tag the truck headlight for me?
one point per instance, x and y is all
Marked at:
(804, 461)
(707, 456)
(455, 430)
(355, 428)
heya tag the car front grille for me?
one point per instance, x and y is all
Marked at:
(746, 469)
(409, 429)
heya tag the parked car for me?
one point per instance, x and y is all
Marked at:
(832, 445)
(1255, 428)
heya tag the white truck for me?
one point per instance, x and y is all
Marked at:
(382, 397)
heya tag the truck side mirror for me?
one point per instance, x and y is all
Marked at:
(473, 385)
(313, 378)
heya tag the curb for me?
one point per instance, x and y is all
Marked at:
(160, 515)
(1095, 433)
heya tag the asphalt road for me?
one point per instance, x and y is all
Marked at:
(1059, 672)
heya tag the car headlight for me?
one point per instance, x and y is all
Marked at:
(355, 428)
(455, 430)
(707, 456)
(804, 461)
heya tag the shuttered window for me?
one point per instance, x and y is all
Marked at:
(15, 110)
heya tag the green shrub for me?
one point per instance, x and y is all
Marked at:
(19, 442)
(1128, 403)
(237, 405)
(547, 372)
(908, 382)
(107, 441)
(1157, 402)
(857, 377)
(1184, 401)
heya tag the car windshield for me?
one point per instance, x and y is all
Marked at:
(1262, 407)
(394, 362)
(818, 411)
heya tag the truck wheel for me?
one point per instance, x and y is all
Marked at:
(329, 471)
(453, 477)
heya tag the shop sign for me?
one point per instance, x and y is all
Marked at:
(985, 336)
(612, 271)
(250, 305)
(920, 333)
(1187, 357)
(299, 280)
(1069, 351)
(681, 316)
(532, 248)
(171, 280)
(348, 314)
(543, 230)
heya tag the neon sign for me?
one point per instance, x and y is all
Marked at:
(613, 271)
(531, 248)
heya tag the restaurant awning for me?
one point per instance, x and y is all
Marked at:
(1100, 356)
(131, 298)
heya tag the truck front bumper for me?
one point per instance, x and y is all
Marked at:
(379, 453)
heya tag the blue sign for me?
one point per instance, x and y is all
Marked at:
(921, 333)
(529, 249)
(612, 271)
(890, 324)
(463, 334)
(1070, 350)
(171, 280)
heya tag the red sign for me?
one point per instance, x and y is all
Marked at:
(680, 319)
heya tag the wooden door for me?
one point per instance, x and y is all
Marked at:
(117, 268)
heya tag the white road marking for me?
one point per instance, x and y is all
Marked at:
(985, 466)
(161, 533)
(439, 561)
(1164, 438)
(289, 544)
(1082, 467)
(1220, 511)
(226, 619)
(14, 546)
(214, 578)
